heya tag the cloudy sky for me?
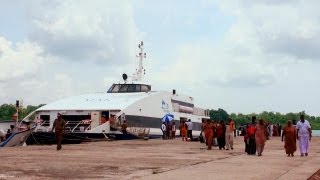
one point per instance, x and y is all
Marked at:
(239, 55)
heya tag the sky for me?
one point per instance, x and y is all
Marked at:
(239, 55)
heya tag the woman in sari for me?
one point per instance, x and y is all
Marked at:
(289, 135)
(220, 132)
(209, 130)
(260, 136)
(184, 128)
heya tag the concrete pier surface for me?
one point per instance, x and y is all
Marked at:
(156, 159)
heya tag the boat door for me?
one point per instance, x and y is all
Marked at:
(95, 119)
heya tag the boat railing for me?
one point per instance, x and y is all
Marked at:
(78, 126)
(75, 126)
(88, 128)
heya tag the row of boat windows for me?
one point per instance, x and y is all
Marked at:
(122, 88)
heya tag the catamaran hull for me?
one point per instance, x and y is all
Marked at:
(17, 138)
(76, 138)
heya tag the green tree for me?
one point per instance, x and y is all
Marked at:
(219, 114)
(6, 111)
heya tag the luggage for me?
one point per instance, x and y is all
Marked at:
(201, 138)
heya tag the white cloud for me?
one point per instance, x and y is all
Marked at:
(248, 70)
(70, 48)
(18, 60)
(99, 31)
(287, 27)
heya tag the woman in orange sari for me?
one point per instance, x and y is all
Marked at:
(209, 130)
(184, 129)
(260, 136)
(289, 135)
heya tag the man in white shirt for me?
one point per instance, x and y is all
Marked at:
(303, 135)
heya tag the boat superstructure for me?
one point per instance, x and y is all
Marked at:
(100, 115)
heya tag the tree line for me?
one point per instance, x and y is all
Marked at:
(7, 110)
(273, 117)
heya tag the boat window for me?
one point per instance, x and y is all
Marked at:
(138, 88)
(131, 88)
(145, 88)
(110, 89)
(123, 88)
(116, 88)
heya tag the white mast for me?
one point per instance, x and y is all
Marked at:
(140, 71)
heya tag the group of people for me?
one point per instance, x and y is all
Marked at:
(256, 136)
(273, 129)
(223, 132)
(168, 130)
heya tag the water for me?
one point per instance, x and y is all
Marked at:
(315, 132)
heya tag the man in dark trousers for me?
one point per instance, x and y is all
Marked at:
(59, 125)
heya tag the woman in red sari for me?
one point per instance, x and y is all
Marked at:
(260, 136)
(221, 132)
(289, 135)
(209, 130)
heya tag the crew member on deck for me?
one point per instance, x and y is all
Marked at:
(103, 119)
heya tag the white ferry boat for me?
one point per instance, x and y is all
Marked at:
(100, 115)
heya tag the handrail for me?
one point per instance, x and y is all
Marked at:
(76, 126)
(88, 128)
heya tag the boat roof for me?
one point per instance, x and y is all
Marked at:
(96, 101)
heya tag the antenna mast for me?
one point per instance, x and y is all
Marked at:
(140, 71)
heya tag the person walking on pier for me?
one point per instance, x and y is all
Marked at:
(184, 130)
(190, 126)
(289, 135)
(260, 136)
(303, 135)
(59, 126)
(221, 132)
(173, 130)
(164, 130)
(229, 133)
(250, 137)
(209, 132)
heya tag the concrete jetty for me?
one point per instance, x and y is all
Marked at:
(156, 159)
